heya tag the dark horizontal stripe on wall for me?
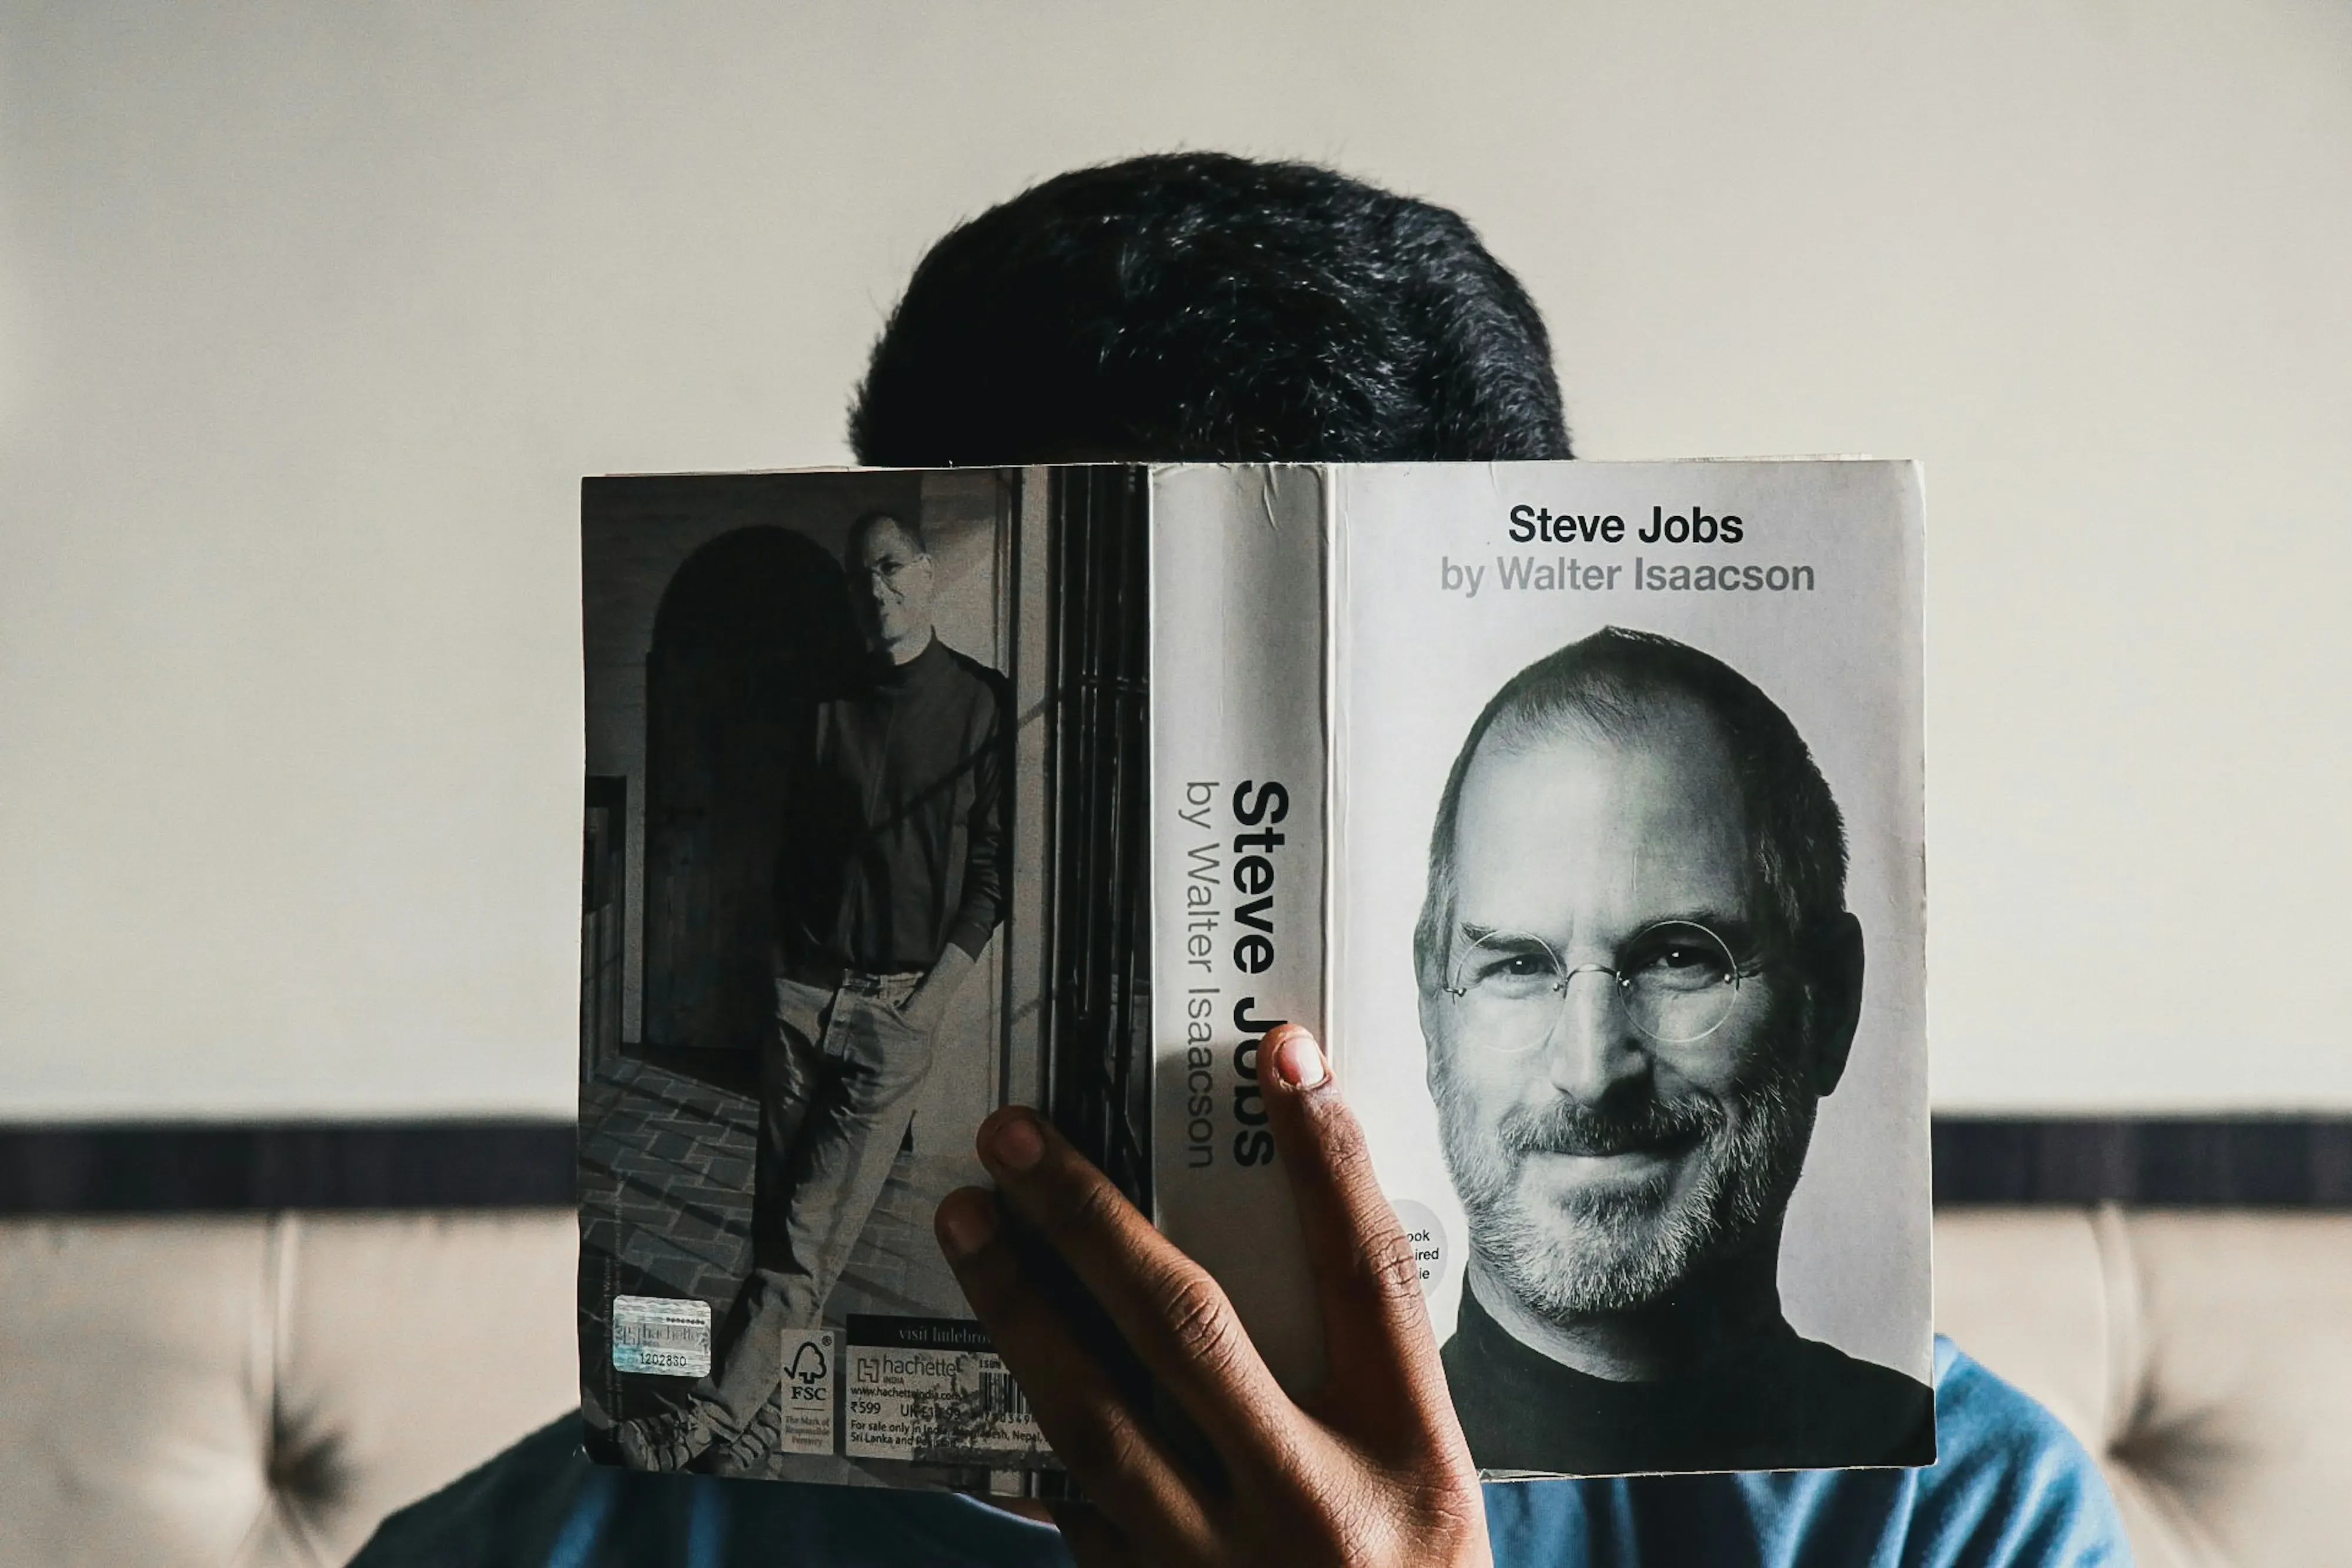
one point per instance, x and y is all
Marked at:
(184, 1169)
(2250, 1162)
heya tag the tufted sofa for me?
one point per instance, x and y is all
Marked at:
(260, 1390)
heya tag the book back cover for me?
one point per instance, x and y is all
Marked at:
(859, 868)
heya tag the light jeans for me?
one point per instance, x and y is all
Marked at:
(838, 1087)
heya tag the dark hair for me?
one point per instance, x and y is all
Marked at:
(1612, 681)
(1204, 307)
(868, 521)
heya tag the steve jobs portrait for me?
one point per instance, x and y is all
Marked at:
(1638, 978)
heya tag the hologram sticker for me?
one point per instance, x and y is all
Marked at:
(661, 1334)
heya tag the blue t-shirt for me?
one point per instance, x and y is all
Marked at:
(2011, 1490)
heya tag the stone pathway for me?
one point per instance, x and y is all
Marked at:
(665, 1162)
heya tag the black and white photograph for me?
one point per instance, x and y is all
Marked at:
(1660, 929)
(1638, 980)
(819, 723)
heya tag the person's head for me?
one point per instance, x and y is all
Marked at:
(891, 583)
(1637, 973)
(1197, 306)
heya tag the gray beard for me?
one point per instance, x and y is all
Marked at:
(1622, 1251)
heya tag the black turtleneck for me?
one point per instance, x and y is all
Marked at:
(1783, 1403)
(893, 841)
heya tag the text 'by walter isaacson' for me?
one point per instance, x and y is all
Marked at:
(1693, 528)
(1232, 900)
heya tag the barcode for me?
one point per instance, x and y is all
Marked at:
(1002, 1398)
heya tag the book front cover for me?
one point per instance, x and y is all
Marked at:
(1629, 948)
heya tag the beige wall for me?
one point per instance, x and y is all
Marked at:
(311, 316)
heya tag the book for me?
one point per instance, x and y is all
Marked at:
(1577, 806)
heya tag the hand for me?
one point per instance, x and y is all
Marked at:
(1370, 1469)
(927, 1004)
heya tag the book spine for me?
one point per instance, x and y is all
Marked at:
(1240, 564)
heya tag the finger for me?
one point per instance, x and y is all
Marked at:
(1163, 1304)
(1367, 1281)
(1092, 1423)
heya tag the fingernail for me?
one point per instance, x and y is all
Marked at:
(1299, 1059)
(968, 1221)
(1019, 1144)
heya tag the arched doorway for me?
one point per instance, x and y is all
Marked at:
(751, 632)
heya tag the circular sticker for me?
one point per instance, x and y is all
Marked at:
(1428, 1239)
